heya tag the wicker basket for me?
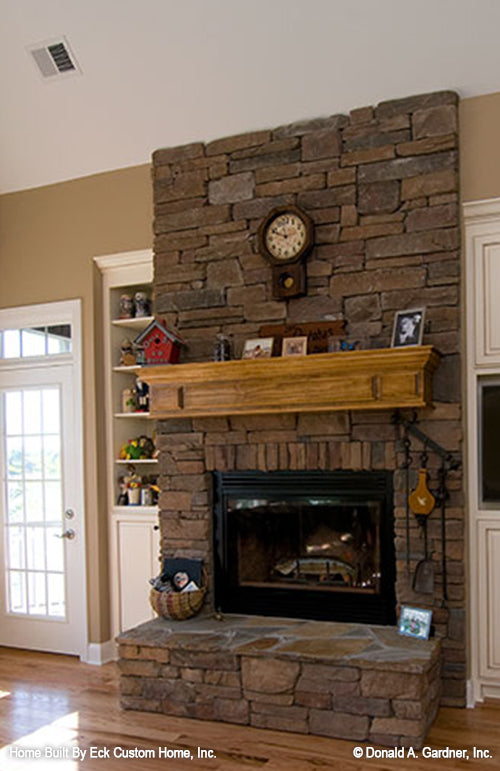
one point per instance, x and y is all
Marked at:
(178, 605)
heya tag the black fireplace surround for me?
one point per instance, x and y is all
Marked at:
(305, 544)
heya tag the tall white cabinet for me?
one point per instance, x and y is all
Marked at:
(133, 529)
(482, 232)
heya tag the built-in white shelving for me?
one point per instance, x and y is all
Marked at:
(133, 529)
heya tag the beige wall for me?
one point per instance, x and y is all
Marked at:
(479, 141)
(48, 237)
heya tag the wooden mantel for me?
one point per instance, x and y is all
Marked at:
(387, 378)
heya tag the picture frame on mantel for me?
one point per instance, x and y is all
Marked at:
(258, 348)
(408, 328)
(294, 346)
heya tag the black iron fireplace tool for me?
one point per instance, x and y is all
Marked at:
(448, 463)
(422, 503)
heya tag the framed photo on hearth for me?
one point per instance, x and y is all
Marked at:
(415, 622)
(408, 327)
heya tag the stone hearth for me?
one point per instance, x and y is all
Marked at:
(341, 680)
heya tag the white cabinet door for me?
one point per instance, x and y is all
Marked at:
(489, 545)
(137, 549)
(487, 306)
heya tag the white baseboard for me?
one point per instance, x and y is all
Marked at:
(478, 691)
(100, 653)
(469, 695)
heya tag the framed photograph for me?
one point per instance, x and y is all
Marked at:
(294, 346)
(260, 348)
(415, 622)
(408, 327)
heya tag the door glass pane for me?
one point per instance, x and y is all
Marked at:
(16, 547)
(53, 501)
(17, 591)
(33, 457)
(14, 457)
(11, 344)
(32, 343)
(59, 339)
(57, 603)
(35, 548)
(13, 414)
(55, 548)
(15, 502)
(37, 594)
(51, 418)
(34, 493)
(52, 457)
(32, 412)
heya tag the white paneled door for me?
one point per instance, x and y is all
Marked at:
(42, 594)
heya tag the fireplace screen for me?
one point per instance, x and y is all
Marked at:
(315, 542)
(311, 544)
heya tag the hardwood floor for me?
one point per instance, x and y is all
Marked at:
(55, 703)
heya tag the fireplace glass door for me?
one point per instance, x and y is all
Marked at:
(306, 544)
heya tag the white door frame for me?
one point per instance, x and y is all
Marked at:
(47, 314)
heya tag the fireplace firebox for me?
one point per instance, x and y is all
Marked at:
(305, 544)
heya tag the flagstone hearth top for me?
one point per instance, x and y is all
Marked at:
(363, 646)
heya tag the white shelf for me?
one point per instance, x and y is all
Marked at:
(135, 462)
(127, 370)
(131, 415)
(135, 510)
(141, 322)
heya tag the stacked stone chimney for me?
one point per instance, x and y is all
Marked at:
(381, 186)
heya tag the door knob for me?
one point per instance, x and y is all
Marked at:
(69, 534)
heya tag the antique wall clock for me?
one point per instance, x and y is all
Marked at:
(285, 239)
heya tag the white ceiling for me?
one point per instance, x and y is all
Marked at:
(158, 73)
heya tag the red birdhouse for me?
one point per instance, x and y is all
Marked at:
(159, 345)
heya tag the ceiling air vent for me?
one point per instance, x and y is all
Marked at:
(54, 57)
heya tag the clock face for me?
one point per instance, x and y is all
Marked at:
(285, 236)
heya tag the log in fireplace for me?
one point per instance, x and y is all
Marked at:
(305, 544)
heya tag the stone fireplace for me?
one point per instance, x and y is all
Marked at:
(381, 186)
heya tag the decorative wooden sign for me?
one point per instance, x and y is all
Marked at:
(317, 333)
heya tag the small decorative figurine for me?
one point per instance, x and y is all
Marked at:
(127, 357)
(139, 448)
(140, 356)
(122, 499)
(129, 403)
(222, 348)
(142, 305)
(142, 395)
(147, 447)
(126, 306)
(133, 483)
(146, 496)
(345, 345)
